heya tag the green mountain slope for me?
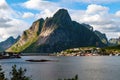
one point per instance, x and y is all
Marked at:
(28, 37)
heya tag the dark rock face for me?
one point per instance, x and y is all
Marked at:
(102, 36)
(88, 26)
(60, 32)
(7, 43)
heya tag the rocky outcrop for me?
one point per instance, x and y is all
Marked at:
(56, 34)
(102, 37)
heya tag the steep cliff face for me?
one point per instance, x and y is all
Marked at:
(102, 36)
(28, 37)
(60, 33)
(7, 43)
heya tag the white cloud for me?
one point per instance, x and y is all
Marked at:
(96, 9)
(18, 26)
(46, 8)
(117, 14)
(9, 24)
(28, 15)
(3, 5)
(40, 5)
(45, 13)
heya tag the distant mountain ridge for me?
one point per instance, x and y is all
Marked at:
(8, 42)
(114, 41)
(56, 34)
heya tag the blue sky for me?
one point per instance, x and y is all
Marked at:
(18, 15)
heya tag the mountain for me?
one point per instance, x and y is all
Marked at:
(114, 41)
(102, 36)
(55, 34)
(7, 43)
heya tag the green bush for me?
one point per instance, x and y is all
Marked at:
(18, 74)
(2, 75)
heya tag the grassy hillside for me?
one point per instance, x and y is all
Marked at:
(28, 37)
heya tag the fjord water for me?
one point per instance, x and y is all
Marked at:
(87, 68)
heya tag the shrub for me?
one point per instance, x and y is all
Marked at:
(18, 74)
(2, 75)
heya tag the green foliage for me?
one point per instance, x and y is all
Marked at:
(18, 74)
(113, 49)
(74, 78)
(2, 75)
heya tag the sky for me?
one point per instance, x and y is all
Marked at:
(18, 15)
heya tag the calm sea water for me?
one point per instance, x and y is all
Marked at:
(87, 68)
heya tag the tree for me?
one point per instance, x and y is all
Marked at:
(18, 74)
(2, 75)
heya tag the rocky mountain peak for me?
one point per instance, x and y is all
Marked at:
(62, 16)
(37, 25)
(10, 38)
(41, 20)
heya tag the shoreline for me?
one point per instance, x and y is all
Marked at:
(39, 54)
